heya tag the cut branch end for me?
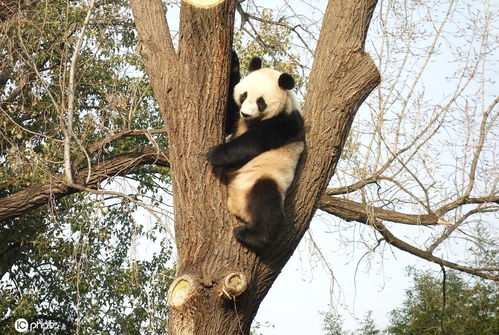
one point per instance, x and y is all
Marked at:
(180, 291)
(204, 3)
(234, 284)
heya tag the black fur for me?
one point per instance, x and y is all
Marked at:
(232, 110)
(262, 105)
(243, 97)
(266, 216)
(255, 64)
(260, 137)
(286, 81)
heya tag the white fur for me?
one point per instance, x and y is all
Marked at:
(277, 164)
(264, 83)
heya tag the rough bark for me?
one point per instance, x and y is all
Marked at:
(361, 212)
(220, 284)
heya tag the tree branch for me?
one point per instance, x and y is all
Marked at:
(156, 48)
(331, 205)
(466, 201)
(374, 178)
(107, 140)
(33, 197)
(67, 128)
(363, 212)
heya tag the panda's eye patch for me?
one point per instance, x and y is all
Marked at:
(260, 102)
(243, 97)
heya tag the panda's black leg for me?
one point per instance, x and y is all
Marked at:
(250, 239)
(266, 213)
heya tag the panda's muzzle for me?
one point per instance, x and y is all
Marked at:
(249, 120)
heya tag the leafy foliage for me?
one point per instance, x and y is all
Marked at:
(471, 307)
(81, 275)
(333, 324)
(82, 262)
(271, 42)
(111, 93)
(367, 326)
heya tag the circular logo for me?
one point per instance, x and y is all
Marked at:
(204, 3)
(21, 325)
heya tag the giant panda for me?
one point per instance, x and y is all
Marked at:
(262, 152)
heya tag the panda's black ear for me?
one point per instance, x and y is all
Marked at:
(255, 64)
(286, 81)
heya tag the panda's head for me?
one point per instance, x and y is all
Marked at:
(264, 93)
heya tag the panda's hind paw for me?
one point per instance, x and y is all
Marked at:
(251, 239)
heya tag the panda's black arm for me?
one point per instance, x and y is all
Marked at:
(233, 153)
(232, 110)
(282, 130)
(267, 135)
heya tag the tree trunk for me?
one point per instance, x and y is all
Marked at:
(220, 284)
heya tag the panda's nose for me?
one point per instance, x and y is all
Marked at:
(245, 115)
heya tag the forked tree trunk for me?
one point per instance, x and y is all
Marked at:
(220, 284)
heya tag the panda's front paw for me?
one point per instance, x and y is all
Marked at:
(217, 155)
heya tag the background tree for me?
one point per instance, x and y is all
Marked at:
(368, 327)
(450, 305)
(333, 324)
(72, 261)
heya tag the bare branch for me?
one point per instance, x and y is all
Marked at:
(465, 201)
(476, 154)
(352, 215)
(376, 176)
(451, 229)
(109, 139)
(68, 129)
(245, 16)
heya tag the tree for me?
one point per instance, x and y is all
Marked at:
(111, 133)
(367, 326)
(418, 136)
(72, 262)
(204, 278)
(448, 305)
(333, 324)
